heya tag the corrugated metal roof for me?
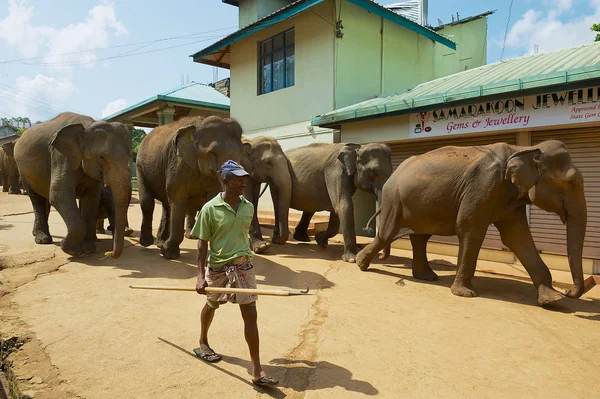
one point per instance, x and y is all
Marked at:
(198, 92)
(501, 79)
(301, 5)
(464, 20)
(195, 93)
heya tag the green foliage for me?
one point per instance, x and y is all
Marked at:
(596, 28)
(20, 123)
(137, 135)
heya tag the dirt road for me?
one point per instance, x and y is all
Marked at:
(376, 333)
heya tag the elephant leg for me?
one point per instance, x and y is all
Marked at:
(470, 240)
(100, 226)
(345, 212)
(14, 186)
(190, 221)
(63, 199)
(322, 237)
(420, 265)
(163, 227)
(516, 236)
(5, 183)
(257, 242)
(390, 225)
(147, 205)
(89, 204)
(301, 230)
(170, 249)
(41, 210)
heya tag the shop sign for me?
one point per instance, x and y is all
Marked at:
(559, 108)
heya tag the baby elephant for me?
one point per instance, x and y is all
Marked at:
(106, 210)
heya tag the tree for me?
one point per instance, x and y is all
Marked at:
(596, 28)
(20, 123)
(137, 135)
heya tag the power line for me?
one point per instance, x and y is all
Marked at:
(33, 98)
(124, 55)
(506, 31)
(29, 104)
(191, 36)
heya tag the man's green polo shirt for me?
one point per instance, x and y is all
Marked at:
(225, 229)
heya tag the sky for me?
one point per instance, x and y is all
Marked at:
(142, 47)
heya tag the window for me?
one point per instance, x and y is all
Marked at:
(277, 62)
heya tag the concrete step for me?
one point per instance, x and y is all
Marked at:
(317, 223)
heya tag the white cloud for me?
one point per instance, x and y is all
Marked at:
(114, 106)
(95, 31)
(18, 31)
(550, 32)
(39, 98)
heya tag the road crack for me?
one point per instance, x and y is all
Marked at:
(299, 361)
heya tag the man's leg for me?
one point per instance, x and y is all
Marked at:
(205, 352)
(251, 333)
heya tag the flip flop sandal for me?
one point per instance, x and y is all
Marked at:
(265, 380)
(208, 356)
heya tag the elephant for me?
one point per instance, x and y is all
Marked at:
(266, 162)
(10, 173)
(178, 165)
(462, 190)
(325, 176)
(106, 210)
(69, 158)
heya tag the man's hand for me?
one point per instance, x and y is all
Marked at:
(201, 284)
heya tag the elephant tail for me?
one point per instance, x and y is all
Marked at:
(368, 229)
(263, 190)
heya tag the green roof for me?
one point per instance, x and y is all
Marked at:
(301, 5)
(534, 74)
(194, 94)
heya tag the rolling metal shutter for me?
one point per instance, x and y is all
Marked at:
(548, 232)
(404, 150)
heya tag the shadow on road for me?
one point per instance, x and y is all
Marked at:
(147, 262)
(513, 290)
(296, 376)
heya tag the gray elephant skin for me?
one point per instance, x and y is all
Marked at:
(266, 162)
(462, 190)
(69, 158)
(325, 176)
(106, 210)
(8, 166)
(178, 165)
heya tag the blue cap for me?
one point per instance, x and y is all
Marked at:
(233, 167)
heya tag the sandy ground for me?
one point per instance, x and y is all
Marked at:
(376, 333)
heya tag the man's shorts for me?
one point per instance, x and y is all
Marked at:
(233, 275)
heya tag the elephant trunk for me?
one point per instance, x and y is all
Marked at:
(576, 225)
(283, 185)
(121, 189)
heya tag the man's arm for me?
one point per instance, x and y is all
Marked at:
(201, 261)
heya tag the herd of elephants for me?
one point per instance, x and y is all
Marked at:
(449, 191)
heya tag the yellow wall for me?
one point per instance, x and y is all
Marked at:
(358, 53)
(312, 93)
(470, 50)
(407, 58)
(376, 130)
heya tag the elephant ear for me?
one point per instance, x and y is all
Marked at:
(522, 169)
(69, 142)
(348, 155)
(247, 160)
(9, 149)
(185, 144)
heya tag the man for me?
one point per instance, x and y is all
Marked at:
(224, 221)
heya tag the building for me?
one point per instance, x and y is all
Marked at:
(8, 133)
(194, 99)
(521, 101)
(292, 60)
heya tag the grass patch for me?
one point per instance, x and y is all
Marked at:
(8, 346)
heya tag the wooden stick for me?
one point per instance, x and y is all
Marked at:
(223, 290)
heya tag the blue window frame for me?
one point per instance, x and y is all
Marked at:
(277, 60)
